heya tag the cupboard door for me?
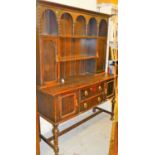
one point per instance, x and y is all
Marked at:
(68, 105)
(109, 88)
(49, 61)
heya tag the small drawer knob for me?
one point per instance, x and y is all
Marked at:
(85, 105)
(99, 99)
(100, 88)
(86, 93)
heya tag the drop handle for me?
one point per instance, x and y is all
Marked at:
(85, 105)
(86, 93)
(99, 99)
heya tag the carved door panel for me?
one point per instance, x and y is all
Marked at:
(48, 59)
(68, 105)
(109, 88)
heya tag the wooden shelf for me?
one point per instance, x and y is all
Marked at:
(84, 37)
(101, 38)
(91, 37)
(74, 58)
(49, 36)
(74, 37)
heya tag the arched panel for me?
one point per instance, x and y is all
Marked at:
(49, 58)
(50, 25)
(103, 28)
(80, 26)
(66, 24)
(92, 27)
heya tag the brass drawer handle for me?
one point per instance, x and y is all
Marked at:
(85, 105)
(86, 93)
(99, 99)
(100, 88)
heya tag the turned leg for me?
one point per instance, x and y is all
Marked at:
(112, 108)
(39, 130)
(38, 119)
(55, 134)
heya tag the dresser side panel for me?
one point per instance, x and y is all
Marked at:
(46, 105)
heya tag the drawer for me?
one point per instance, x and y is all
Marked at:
(91, 91)
(96, 101)
(84, 106)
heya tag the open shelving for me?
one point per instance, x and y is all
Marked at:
(66, 24)
(80, 26)
(82, 46)
(50, 26)
(103, 28)
(92, 27)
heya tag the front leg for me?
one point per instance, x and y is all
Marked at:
(39, 125)
(112, 108)
(56, 134)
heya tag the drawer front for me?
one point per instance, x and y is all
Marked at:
(84, 106)
(68, 105)
(91, 91)
(97, 100)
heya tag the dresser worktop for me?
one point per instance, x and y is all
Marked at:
(75, 83)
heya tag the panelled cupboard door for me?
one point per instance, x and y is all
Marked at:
(109, 88)
(49, 64)
(68, 105)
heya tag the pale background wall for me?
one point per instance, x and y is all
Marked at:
(86, 4)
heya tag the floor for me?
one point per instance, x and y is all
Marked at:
(91, 138)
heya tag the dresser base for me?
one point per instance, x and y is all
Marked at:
(56, 133)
